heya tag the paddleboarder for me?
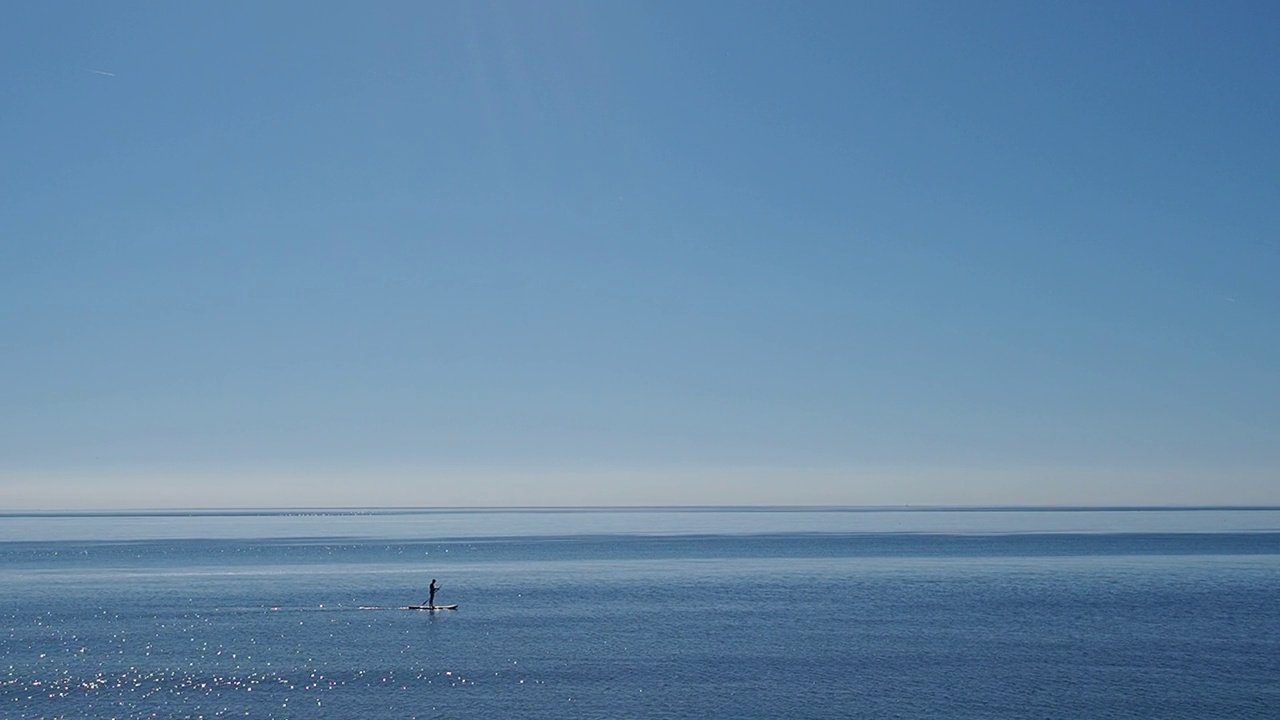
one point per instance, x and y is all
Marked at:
(431, 593)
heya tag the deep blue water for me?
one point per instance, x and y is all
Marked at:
(643, 614)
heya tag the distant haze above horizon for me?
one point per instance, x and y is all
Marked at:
(303, 254)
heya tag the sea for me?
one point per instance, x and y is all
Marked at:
(687, 613)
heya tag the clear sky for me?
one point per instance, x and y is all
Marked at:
(565, 253)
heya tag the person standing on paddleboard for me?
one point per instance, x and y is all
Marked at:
(431, 593)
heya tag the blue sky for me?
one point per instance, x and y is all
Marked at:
(414, 253)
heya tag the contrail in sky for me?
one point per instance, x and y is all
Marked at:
(103, 72)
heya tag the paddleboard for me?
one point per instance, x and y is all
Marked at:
(431, 607)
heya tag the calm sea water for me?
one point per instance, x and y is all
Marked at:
(643, 614)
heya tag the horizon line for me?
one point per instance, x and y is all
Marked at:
(425, 509)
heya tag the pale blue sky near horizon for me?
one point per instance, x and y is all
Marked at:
(577, 253)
